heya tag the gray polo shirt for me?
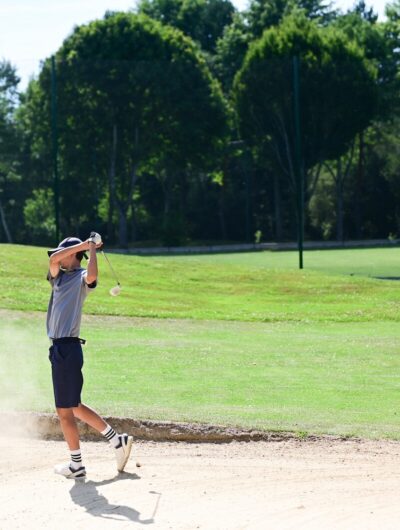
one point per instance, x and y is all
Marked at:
(69, 291)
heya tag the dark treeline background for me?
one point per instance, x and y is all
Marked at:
(175, 124)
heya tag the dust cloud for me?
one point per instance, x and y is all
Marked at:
(25, 380)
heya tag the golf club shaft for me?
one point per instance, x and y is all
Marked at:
(109, 264)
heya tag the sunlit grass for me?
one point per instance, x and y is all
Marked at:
(334, 378)
(246, 287)
(236, 339)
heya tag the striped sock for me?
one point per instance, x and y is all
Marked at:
(76, 459)
(111, 435)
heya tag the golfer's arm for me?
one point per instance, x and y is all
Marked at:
(92, 272)
(57, 257)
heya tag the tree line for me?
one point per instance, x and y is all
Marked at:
(175, 124)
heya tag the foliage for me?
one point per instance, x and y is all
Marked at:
(39, 216)
(338, 86)
(135, 97)
(10, 181)
(230, 51)
(391, 62)
(202, 20)
(264, 14)
(149, 143)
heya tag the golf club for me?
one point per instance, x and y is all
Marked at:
(114, 291)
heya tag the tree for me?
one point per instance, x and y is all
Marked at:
(360, 25)
(391, 62)
(8, 144)
(39, 215)
(202, 20)
(337, 97)
(231, 49)
(264, 14)
(133, 96)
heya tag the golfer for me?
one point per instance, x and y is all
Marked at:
(70, 285)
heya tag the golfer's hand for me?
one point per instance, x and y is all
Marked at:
(88, 245)
(96, 239)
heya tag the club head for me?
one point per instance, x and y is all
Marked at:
(115, 290)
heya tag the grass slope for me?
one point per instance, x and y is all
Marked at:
(245, 287)
(244, 339)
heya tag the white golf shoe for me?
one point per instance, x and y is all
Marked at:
(68, 472)
(123, 450)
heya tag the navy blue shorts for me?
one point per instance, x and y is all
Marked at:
(66, 368)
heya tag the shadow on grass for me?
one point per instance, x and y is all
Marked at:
(85, 494)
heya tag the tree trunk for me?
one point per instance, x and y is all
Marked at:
(134, 234)
(111, 182)
(278, 207)
(4, 223)
(221, 213)
(359, 187)
(132, 203)
(339, 202)
(122, 227)
(167, 199)
(134, 178)
(340, 172)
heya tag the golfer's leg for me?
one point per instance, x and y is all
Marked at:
(89, 416)
(69, 427)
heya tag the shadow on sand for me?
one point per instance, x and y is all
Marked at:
(84, 493)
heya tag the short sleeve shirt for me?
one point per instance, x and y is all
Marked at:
(64, 313)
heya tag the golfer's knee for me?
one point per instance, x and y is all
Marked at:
(65, 414)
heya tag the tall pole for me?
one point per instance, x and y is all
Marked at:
(54, 134)
(298, 159)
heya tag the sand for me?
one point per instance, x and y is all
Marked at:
(256, 485)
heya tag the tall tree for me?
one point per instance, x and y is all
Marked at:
(337, 95)
(231, 49)
(132, 95)
(264, 14)
(202, 20)
(8, 144)
(391, 63)
(360, 26)
(36, 166)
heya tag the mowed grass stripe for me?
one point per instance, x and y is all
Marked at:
(339, 378)
(243, 287)
(368, 262)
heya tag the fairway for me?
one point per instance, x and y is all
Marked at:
(263, 287)
(340, 379)
(229, 339)
(368, 262)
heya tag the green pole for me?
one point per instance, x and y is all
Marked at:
(54, 134)
(298, 159)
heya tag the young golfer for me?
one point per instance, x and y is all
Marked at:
(70, 285)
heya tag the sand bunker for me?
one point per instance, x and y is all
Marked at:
(285, 485)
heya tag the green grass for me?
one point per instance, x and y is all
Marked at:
(368, 262)
(338, 379)
(263, 287)
(236, 339)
